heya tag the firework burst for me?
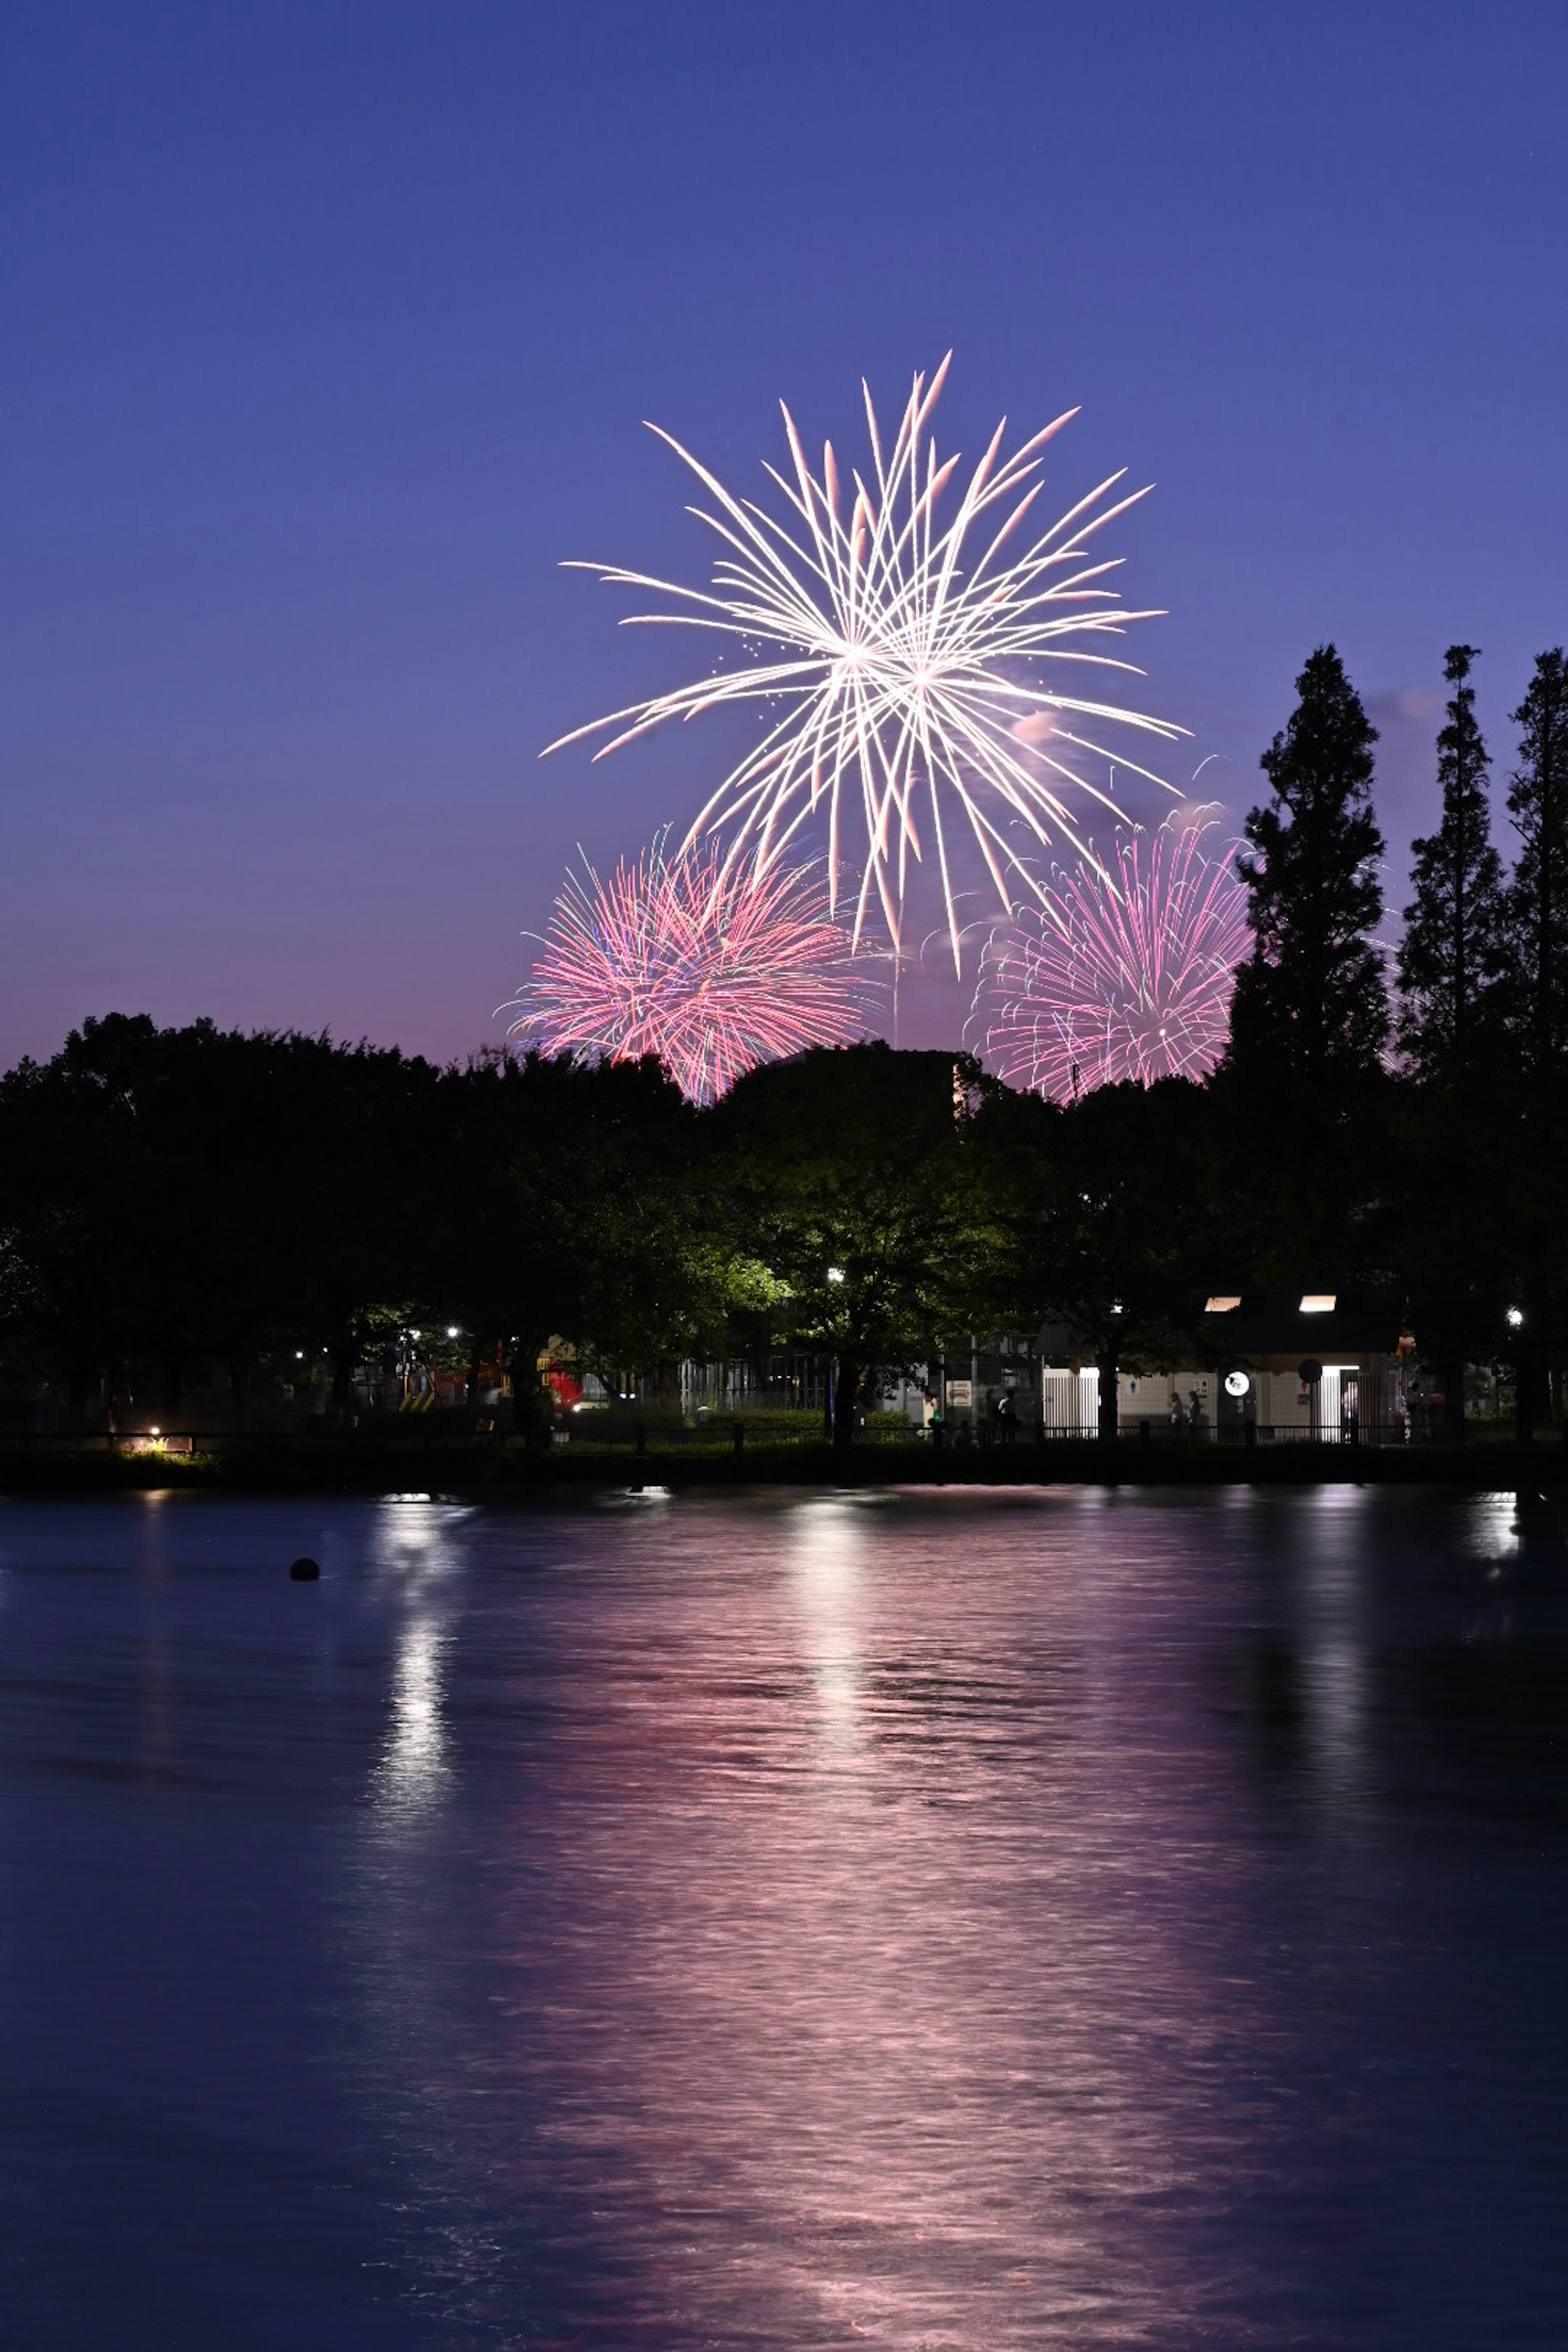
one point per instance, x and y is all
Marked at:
(900, 639)
(710, 971)
(1130, 983)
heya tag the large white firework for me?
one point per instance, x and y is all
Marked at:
(900, 638)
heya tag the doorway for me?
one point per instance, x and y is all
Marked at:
(1338, 1400)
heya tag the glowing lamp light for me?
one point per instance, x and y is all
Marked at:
(1318, 1302)
(451, 1330)
(155, 1433)
(1236, 1384)
(1515, 1317)
(1221, 1303)
(836, 1274)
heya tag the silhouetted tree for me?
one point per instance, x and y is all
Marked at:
(193, 1198)
(1449, 956)
(1538, 955)
(853, 1191)
(574, 1219)
(1449, 971)
(1117, 1229)
(1310, 1002)
(1537, 900)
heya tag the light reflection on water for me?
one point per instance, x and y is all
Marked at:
(1067, 1919)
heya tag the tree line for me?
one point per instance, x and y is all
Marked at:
(186, 1201)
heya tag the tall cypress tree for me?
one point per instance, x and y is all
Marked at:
(1448, 958)
(1449, 963)
(1538, 901)
(1310, 1002)
(1538, 948)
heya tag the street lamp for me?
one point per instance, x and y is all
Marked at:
(1515, 1317)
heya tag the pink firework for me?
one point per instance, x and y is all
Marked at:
(713, 972)
(1130, 982)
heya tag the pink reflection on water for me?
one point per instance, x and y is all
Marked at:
(874, 1961)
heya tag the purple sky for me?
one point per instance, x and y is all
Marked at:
(328, 331)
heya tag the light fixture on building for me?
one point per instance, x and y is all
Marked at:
(1317, 1302)
(1236, 1384)
(1221, 1303)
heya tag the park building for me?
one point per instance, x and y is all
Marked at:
(1291, 1364)
(1294, 1364)
(1270, 1367)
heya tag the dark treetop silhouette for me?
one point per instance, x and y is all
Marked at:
(182, 1205)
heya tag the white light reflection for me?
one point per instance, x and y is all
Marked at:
(827, 1547)
(1334, 1638)
(1494, 1529)
(412, 1765)
(411, 1769)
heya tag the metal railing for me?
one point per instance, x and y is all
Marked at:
(760, 1432)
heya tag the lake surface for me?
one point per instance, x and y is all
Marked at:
(992, 1920)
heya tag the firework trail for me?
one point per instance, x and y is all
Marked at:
(896, 639)
(675, 956)
(1134, 982)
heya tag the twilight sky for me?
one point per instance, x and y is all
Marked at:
(328, 330)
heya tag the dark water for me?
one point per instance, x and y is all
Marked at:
(1070, 1920)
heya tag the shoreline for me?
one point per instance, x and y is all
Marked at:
(491, 1471)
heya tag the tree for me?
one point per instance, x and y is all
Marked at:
(76, 1192)
(574, 1220)
(852, 1179)
(1537, 919)
(196, 1198)
(1449, 971)
(1310, 1003)
(1538, 901)
(1449, 956)
(1117, 1224)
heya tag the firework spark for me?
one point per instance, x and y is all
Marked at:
(676, 957)
(1134, 982)
(900, 644)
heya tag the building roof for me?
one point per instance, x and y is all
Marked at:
(1301, 1323)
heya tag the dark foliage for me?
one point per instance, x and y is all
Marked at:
(194, 1208)
(1451, 958)
(1311, 1005)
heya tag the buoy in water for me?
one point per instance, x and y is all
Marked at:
(304, 1571)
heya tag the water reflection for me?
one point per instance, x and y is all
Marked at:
(826, 1536)
(1495, 1527)
(1333, 1637)
(413, 1761)
(416, 1554)
(1055, 1920)
(901, 2046)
